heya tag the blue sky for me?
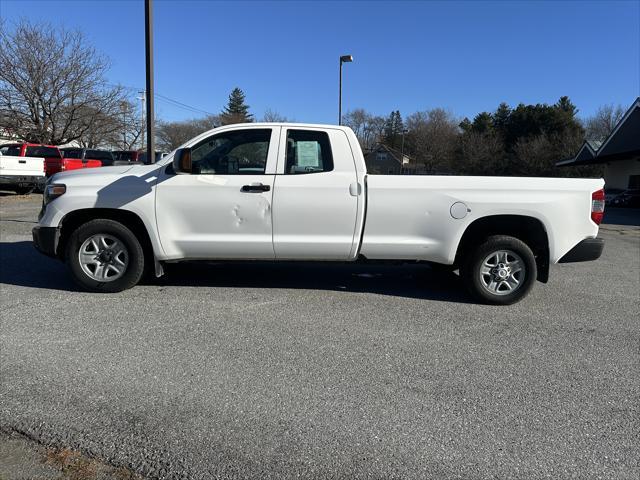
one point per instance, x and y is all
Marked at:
(464, 56)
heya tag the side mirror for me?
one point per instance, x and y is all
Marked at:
(182, 161)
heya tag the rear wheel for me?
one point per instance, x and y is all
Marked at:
(105, 256)
(500, 271)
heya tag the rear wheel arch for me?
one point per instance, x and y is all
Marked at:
(528, 229)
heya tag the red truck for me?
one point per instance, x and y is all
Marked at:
(54, 162)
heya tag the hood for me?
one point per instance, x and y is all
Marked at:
(105, 171)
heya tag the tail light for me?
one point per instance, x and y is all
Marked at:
(597, 206)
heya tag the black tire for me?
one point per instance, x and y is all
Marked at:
(134, 268)
(473, 262)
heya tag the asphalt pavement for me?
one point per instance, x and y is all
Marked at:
(323, 371)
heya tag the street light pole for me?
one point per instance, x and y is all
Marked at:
(343, 59)
(148, 43)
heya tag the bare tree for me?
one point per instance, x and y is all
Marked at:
(368, 128)
(52, 85)
(119, 131)
(170, 135)
(601, 124)
(432, 139)
(480, 154)
(273, 116)
(131, 128)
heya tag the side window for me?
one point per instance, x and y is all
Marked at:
(308, 151)
(239, 152)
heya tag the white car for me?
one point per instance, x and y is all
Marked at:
(285, 191)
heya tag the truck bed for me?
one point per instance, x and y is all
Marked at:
(410, 217)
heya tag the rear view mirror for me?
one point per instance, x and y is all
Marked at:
(182, 161)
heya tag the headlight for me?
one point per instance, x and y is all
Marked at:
(53, 191)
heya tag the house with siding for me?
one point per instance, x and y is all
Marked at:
(384, 160)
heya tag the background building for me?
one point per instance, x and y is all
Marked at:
(620, 152)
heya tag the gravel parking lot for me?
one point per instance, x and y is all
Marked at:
(312, 371)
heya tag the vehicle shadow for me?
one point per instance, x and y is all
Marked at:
(417, 281)
(23, 266)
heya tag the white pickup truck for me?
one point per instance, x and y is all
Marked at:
(301, 192)
(20, 174)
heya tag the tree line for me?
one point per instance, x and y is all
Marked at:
(522, 140)
(53, 90)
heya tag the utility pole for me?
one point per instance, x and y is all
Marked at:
(343, 59)
(142, 128)
(148, 42)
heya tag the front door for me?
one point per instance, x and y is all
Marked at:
(223, 209)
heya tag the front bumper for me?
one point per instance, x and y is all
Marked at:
(46, 240)
(587, 250)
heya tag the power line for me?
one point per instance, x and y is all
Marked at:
(171, 101)
(183, 105)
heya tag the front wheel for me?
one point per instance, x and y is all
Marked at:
(500, 271)
(105, 256)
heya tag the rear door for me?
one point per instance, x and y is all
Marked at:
(223, 209)
(315, 199)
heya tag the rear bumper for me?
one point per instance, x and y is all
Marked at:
(587, 250)
(46, 239)
(21, 180)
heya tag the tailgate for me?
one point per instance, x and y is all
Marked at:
(24, 166)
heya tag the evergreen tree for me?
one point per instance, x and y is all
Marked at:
(393, 129)
(236, 111)
(501, 118)
(483, 122)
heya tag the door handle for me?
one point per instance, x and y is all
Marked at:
(255, 188)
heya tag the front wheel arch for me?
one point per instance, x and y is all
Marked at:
(72, 220)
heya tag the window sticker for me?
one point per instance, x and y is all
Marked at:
(308, 153)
